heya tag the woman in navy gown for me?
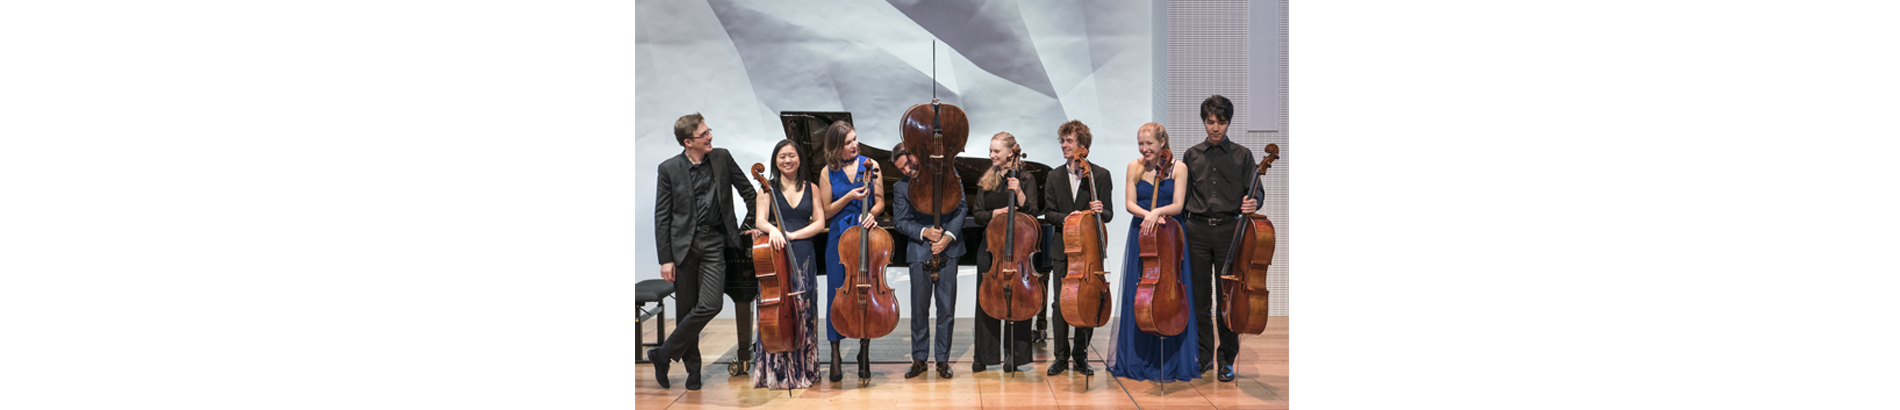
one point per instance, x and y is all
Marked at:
(798, 368)
(1136, 354)
(841, 186)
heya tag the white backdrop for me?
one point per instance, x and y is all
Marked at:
(1021, 67)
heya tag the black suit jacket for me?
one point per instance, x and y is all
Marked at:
(673, 212)
(1059, 199)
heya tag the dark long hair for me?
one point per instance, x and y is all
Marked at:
(798, 177)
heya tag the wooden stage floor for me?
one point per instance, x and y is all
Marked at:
(1261, 366)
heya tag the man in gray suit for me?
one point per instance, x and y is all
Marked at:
(927, 240)
(692, 225)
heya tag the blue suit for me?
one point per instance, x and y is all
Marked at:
(911, 223)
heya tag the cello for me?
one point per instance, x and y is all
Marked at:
(1085, 298)
(1011, 291)
(865, 307)
(778, 310)
(935, 133)
(1160, 299)
(1244, 287)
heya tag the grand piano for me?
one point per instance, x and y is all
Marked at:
(807, 129)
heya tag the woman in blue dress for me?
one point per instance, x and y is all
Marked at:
(798, 368)
(1138, 355)
(840, 187)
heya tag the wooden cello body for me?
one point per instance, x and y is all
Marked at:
(865, 306)
(778, 309)
(1244, 284)
(1011, 290)
(1085, 296)
(1160, 303)
(935, 133)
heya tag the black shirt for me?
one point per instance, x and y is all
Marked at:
(703, 193)
(1218, 177)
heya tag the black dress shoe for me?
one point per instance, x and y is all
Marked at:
(1058, 367)
(917, 368)
(1226, 372)
(1207, 366)
(943, 370)
(1083, 368)
(976, 366)
(692, 381)
(659, 369)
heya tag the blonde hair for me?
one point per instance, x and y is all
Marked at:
(994, 177)
(1153, 130)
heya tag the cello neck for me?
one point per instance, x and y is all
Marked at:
(778, 214)
(1154, 199)
(937, 173)
(864, 211)
(1009, 237)
(1095, 195)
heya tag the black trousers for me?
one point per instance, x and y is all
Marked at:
(1208, 246)
(990, 332)
(699, 280)
(1080, 351)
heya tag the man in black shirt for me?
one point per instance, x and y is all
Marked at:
(1220, 174)
(693, 225)
(1066, 193)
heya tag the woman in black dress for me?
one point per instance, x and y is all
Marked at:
(992, 202)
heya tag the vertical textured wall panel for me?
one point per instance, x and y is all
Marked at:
(1277, 180)
(1160, 51)
(1206, 55)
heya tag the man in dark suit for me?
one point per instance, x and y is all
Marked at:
(692, 225)
(1065, 193)
(925, 241)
